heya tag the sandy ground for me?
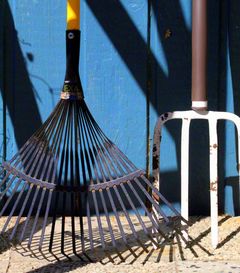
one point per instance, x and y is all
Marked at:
(171, 256)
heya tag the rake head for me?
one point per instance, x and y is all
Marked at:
(70, 169)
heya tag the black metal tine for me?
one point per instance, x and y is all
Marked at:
(107, 144)
(93, 193)
(84, 175)
(108, 219)
(45, 219)
(95, 202)
(149, 214)
(90, 232)
(161, 197)
(72, 194)
(116, 216)
(101, 151)
(39, 153)
(113, 239)
(95, 152)
(57, 126)
(138, 216)
(79, 136)
(36, 217)
(98, 220)
(31, 147)
(29, 212)
(13, 208)
(106, 140)
(66, 161)
(128, 218)
(110, 197)
(26, 145)
(57, 149)
(4, 180)
(21, 211)
(58, 183)
(156, 206)
(100, 147)
(11, 196)
(155, 222)
(7, 187)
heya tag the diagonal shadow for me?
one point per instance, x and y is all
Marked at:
(16, 84)
(172, 91)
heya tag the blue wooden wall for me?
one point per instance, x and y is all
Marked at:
(135, 64)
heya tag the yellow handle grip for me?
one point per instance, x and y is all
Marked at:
(73, 14)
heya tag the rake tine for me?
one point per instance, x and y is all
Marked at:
(116, 215)
(109, 225)
(21, 211)
(138, 216)
(53, 222)
(36, 217)
(11, 196)
(104, 151)
(89, 225)
(82, 145)
(29, 212)
(45, 219)
(96, 144)
(156, 206)
(66, 158)
(57, 194)
(72, 194)
(150, 215)
(4, 180)
(128, 218)
(31, 146)
(13, 208)
(98, 220)
(7, 187)
(26, 145)
(161, 197)
(59, 130)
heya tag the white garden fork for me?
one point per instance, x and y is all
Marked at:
(199, 106)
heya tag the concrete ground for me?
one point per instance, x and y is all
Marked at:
(170, 257)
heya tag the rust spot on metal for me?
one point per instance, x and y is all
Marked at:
(213, 186)
(154, 148)
(238, 167)
(155, 196)
(168, 33)
(155, 162)
(214, 146)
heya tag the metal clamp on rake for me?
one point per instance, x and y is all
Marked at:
(70, 168)
(199, 104)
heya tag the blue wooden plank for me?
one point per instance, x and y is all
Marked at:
(114, 74)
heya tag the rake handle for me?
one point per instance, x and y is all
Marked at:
(199, 54)
(72, 88)
(73, 14)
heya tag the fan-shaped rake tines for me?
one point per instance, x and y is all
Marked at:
(85, 188)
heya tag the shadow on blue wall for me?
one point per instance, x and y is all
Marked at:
(168, 93)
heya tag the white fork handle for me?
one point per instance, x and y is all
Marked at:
(213, 153)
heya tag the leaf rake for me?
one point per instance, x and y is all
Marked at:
(69, 169)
